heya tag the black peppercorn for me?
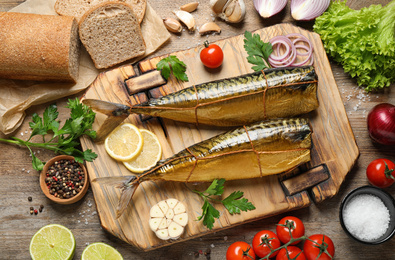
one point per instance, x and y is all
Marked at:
(64, 179)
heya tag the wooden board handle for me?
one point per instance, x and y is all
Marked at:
(144, 82)
(305, 180)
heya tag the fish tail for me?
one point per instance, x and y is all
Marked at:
(107, 108)
(116, 113)
(128, 188)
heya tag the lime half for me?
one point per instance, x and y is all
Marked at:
(52, 242)
(100, 251)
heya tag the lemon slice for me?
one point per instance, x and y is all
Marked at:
(124, 142)
(100, 251)
(149, 156)
(52, 242)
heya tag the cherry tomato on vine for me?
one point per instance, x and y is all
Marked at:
(289, 225)
(380, 173)
(264, 241)
(317, 245)
(240, 251)
(293, 251)
(212, 55)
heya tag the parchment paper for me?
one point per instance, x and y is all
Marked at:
(16, 95)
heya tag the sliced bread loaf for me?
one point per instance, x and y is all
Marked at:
(78, 8)
(39, 47)
(111, 34)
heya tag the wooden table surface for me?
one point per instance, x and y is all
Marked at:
(18, 180)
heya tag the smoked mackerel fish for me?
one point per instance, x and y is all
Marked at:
(264, 148)
(273, 93)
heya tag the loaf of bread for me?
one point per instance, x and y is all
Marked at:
(39, 47)
(111, 34)
(78, 8)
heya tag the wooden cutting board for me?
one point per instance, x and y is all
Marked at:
(333, 154)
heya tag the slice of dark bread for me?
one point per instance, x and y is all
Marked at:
(111, 34)
(78, 8)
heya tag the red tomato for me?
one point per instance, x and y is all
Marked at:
(380, 173)
(211, 56)
(289, 225)
(263, 241)
(240, 251)
(293, 251)
(321, 243)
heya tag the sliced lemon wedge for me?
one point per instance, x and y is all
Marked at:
(124, 143)
(149, 156)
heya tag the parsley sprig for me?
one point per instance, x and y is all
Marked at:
(63, 140)
(234, 203)
(173, 65)
(257, 50)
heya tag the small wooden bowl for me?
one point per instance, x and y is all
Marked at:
(45, 189)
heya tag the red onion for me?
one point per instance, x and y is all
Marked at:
(308, 9)
(267, 8)
(289, 57)
(381, 123)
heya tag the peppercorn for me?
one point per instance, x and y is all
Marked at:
(29, 198)
(35, 212)
(64, 179)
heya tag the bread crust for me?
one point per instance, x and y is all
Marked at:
(78, 8)
(92, 50)
(37, 47)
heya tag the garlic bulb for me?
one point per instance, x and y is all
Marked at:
(168, 219)
(268, 8)
(232, 11)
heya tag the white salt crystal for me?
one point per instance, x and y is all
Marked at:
(366, 217)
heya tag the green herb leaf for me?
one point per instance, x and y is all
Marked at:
(234, 203)
(257, 50)
(173, 65)
(50, 115)
(37, 126)
(67, 138)
(216, 187)
(209, 214)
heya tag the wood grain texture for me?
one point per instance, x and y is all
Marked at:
(18, 180)
(331, 129)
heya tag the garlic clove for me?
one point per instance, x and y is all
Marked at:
(154, 223)
(190, 7)
(170, 214)
(179, 208)
(156, 212)
(209, 27)
(181, 219)
(232, 11)
(163, 224)
(238, 12)
(175, 230)
(218, 5)
(172, 203)
(163, 206)
(172, 25)
(186, 18)
(162, 234)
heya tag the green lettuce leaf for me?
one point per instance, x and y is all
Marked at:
(362, 41)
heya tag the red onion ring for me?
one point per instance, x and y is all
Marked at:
(288, 58)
